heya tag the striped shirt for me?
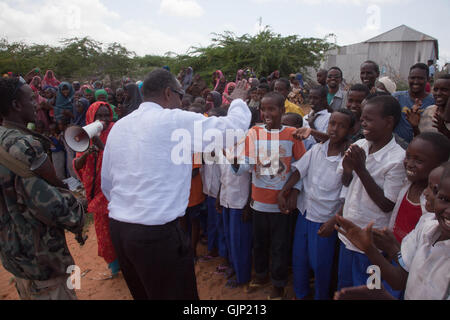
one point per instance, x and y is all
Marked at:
(268, 155)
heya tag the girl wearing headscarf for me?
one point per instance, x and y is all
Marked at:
(228, 91)
(133, 99)
(98, 85)
(88, 166)
(41, 112)
(64, 97)
(88, 92)
(239, 75)
(213, 100)
(35, 84)
(84, 87)
(102, 95)
(50, 80)
(79, 112)
(187, 79)
(219, 81)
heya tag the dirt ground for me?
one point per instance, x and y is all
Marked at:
(211, 286)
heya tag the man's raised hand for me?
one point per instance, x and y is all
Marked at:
(240, 92)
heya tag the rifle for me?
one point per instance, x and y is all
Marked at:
(43, 168)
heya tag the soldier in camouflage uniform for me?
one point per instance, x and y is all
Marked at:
(33, 214)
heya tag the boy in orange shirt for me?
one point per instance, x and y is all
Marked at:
(269, 150)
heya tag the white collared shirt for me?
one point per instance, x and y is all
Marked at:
(321, 183)
(321, 122)
(211, 179)
(234, 189)
(141, 180)
(387, 170)
(427, 261)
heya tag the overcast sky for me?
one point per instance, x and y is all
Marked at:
(159, 26)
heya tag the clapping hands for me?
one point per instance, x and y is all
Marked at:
(354, 159)
(439, 124)
(413, 115)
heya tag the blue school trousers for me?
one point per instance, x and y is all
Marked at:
(239, 241)
(310, 251)
(353, 271)
(216, 237)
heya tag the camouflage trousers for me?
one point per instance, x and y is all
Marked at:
(53, 289)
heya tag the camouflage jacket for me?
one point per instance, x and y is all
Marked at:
(33, 215)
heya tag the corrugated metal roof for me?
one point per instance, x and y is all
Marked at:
(401, 33)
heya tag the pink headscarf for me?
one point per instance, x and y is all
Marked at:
(225, 100)
(35, 89)
(220, 76)
(50, 81)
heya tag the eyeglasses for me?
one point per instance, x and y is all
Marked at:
(333, 77)
(179, 92)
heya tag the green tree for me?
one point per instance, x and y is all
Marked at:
(264, 52)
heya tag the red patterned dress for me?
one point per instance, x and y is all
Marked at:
(90, 176)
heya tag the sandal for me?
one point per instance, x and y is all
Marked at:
(258, 283)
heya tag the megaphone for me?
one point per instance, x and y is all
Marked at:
(78, 138)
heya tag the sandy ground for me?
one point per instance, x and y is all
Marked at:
(211, 286)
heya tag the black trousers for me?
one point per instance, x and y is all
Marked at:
(156, 261)
(271, 238)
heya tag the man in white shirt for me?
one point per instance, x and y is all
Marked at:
(146, 176)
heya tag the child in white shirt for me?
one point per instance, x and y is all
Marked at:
(373, 170)
(315, 237)
(424, 254)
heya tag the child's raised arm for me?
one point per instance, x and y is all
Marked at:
(304, 133)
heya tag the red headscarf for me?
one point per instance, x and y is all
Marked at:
(218, 76)
(35, 89)
(50, 81)
(224, 100)
(93, 168)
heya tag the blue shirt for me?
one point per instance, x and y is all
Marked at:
(432, 71)
(404, 129)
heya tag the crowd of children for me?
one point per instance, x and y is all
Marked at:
(355, 177)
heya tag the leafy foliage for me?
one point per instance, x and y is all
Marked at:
(264, 52)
